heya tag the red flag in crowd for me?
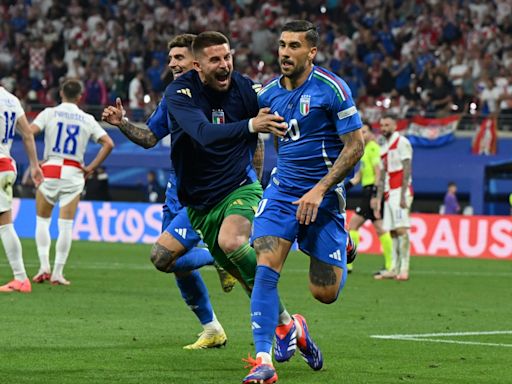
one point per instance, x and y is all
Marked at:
(485, 139)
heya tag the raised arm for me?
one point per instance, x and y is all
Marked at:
(140, 136)
(106, 147)
(30, 147)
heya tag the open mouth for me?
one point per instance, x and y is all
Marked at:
(286, 64)
(177, 72)
(222, 78)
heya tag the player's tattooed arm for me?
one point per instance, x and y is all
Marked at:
(259, 155)
(140, 136)
(353, 149)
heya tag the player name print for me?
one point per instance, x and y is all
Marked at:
(218, 116)
(305, 101)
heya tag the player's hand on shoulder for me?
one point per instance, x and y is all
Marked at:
(114, 115)
(267, 122)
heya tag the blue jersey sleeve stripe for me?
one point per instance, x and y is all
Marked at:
(267, 87)
(335, 83)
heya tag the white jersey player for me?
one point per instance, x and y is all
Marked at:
(67, 130)
(12, 116)
(396, 185)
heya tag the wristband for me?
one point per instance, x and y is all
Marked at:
(250, 126)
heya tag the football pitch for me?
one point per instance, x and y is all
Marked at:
(121, 321)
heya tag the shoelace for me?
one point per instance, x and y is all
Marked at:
(252, 361)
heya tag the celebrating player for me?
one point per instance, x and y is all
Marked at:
(305, 199)
(215, 120)
(67, 130)
(368, 175)
(11, 116)
(177, 233)
(395, 185)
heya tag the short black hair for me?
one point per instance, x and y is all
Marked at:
(71, 88)
(184, 40)
(312, 36)
(208, 39)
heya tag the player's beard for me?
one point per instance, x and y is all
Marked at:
(213, 82)
(297, 71)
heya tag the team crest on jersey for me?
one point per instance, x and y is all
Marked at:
(305, 101)
(218, 116)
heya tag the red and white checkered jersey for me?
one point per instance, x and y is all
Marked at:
(67, 130)
(10, 111)
(395, 150)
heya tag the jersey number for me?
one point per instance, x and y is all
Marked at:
(9, 126)
(293, 131)
(70, 143)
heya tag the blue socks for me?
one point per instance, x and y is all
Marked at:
(264, 308)
(193, 259)
(194, 292)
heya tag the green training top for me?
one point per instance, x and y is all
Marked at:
(370, 159)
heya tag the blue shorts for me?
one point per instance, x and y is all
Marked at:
(178, 225)
(325, 239)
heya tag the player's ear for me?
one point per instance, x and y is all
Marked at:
(197, 66)
(312, 53)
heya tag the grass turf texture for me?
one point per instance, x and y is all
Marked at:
(121, 321)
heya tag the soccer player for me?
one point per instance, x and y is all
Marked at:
(395, 185)
(177, 233)
(305, 198)
(215, 120)
(368, 175)
(12, 116)
(67, 130)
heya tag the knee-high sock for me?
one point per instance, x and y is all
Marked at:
(387, 249)
(354, 234)
(193, 259)
(43, 242)
(12, 247)
(245, 260)
(395, 260)
(264, 308)
(63, 246)
(405, 253)
(194, 292)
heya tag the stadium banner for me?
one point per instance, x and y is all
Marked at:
(488, 237)
(425, 132)
(431, 234)
(485, 139)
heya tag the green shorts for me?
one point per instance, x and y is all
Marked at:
(242, 201)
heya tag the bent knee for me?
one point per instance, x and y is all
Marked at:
(162, 258)
(325, 295)
(231, 244)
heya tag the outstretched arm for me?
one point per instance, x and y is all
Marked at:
(349, 156)
(140, 136)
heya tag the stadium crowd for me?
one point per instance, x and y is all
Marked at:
(423, 57)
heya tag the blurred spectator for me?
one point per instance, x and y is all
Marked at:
(97, 187)
(154, 191)
(451, 203)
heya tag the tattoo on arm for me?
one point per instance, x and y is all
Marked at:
(141, 136)
(259, 156)
(321, 274)
(266, 244)
(352, 151)
(406, 164)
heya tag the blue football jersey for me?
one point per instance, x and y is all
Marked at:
(317, 113)
(160, 124)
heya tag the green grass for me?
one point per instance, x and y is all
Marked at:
(121, 321)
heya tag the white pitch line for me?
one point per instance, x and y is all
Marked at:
(442, 334)
(425, 337)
